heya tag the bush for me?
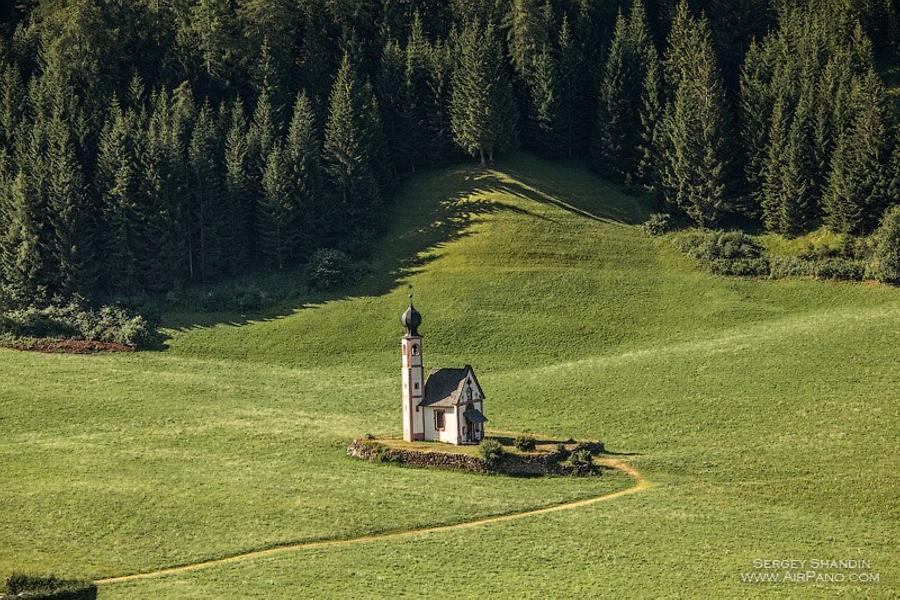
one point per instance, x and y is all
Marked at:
(582, 462)
(730, 253)
(843, 269)
(111, 324)
(885, 262)
(329, 269)
(49, 588)
(561, 453)
(525, 443)
(657, 224)
(491, 453)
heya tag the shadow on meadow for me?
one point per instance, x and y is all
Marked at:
(430, 211)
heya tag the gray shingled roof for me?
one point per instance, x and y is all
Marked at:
(443, 386)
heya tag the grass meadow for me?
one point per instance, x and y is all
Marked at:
(765, 413)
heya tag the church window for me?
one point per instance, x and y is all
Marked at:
(416, 385)
(439, 420)
(415, 349)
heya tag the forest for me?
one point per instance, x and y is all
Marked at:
(146, 145)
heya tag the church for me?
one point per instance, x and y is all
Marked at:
(445, 407)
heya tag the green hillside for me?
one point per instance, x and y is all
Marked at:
(765, 413)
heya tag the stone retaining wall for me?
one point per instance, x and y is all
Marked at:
(521, 465)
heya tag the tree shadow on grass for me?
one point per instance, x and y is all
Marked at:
(430, 212)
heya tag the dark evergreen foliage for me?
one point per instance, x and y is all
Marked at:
(148, 145)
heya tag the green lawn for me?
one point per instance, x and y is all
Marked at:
(765, 412)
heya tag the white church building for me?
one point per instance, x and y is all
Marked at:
(445, 407)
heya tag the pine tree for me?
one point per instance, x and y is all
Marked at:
(482, 109)
(278, 217)
(213, 32)
(12, 98)
(303, 155)
(347, 142)
(859, 182)
(694, 159)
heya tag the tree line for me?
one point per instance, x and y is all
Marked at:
(145, 145)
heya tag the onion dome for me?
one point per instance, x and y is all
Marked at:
(411, 319)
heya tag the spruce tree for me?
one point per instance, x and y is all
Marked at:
(694, 159)
(347, 143)
(69, 214)
(526, 34)
(239, 199)
(25, 265)
(482, 109)
(417, 95)
(651, 113)
(119, 185)
(568, 87)
(208, 212)
(303, 155)
(859, 183)
(544, 121)
(278, 218)
(617, 144)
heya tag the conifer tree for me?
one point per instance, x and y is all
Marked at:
(118, 181)
(303, 155)
(482, 109)
(568, 87)
(417, 95)
(24, 265)
(395, 105)
(278, 216)
(618, 140)
(544, 123)
(347, 143)
(526, 34)
(441, 146)
(69, 214)
(694, 159)
(239, 199)
(651, 114)
(206, 195)
(859, 182)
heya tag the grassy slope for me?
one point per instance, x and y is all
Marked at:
(766, 411)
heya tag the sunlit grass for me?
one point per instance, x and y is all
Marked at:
(765, 412)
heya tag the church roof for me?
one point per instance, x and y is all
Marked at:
(444, 386)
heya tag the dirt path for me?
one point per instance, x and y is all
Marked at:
(640, 484)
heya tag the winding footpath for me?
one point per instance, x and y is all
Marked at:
(640, 484)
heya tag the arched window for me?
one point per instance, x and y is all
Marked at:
(415, 349)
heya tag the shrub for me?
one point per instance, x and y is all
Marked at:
(844, 269)
(329, 269)
(885, 262)
(111, 324)
(582, 462)
(491, 453)
(49, 588)
(726, 253)
(657, 224)
(525, 443)
(561, 453)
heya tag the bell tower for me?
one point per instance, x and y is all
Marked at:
(412, 374)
